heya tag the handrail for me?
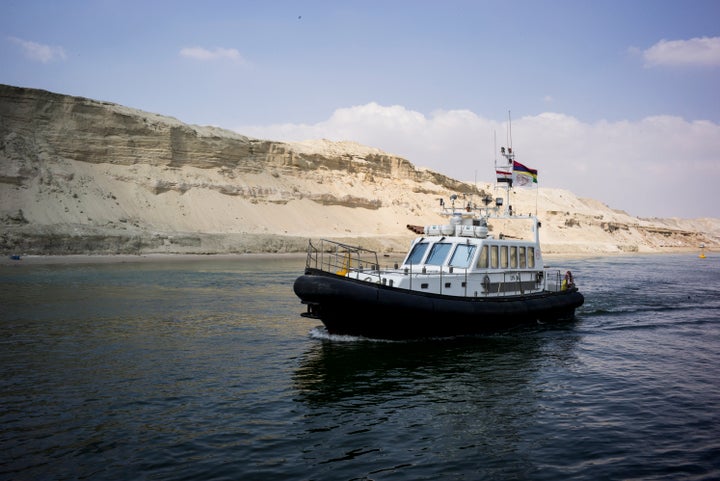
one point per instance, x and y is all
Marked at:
(339, 258)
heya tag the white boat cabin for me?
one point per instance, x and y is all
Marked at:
(471, 266)
(463, 259)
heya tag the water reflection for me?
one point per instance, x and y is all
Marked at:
(330, 371)
(442, 405)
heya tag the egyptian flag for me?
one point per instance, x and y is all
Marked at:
(504, 176)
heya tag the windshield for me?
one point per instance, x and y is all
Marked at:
(438, 254)
(417, 253)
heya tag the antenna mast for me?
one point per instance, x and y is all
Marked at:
(509, 155)
(510, 131)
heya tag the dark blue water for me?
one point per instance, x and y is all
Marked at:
(204, 370)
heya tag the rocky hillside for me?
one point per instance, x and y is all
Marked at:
(84, 176)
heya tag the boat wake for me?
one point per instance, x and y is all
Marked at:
(321, 333)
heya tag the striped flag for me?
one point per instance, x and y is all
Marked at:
(504, 176)
(523, 176)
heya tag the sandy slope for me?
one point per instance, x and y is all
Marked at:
(81, 176)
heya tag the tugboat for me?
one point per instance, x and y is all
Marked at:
(457, 279)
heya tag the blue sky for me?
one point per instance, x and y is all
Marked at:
(614, 100)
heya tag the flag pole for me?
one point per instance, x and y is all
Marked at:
(510, 157)
(495, 154)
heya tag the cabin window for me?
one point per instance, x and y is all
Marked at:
(483, 258)
(417, 253)
(531, 257)
(463, 255)
(494, 257)
(438, 254)
(513, 257)
(521, 252)
(503, 257)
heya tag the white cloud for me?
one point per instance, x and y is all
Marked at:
(38, 51)
(659, 166)
(703, 51)
(217, 53)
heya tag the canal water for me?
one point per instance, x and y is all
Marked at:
(204, 369)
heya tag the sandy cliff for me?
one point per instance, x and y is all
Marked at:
(83, 176)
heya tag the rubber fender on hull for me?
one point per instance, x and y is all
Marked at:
(322, 288)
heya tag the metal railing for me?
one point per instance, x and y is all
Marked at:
(338, 258)
(556, 281)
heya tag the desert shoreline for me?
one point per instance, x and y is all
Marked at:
(77, 259)
(141, 258)
(103, 179)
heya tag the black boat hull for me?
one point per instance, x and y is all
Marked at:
(352, 307)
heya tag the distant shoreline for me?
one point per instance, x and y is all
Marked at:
(142, 258)
(159, 258)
